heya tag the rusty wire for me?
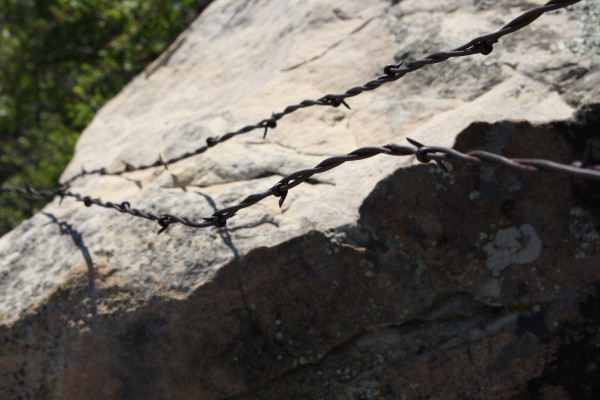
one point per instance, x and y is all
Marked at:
(423, 154)
(479, 45)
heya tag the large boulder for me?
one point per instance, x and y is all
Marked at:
(380, 279)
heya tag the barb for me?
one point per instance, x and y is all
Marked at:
(479, 45)
(423, 154)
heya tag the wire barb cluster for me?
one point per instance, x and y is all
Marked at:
(479, 45)
(391, 73)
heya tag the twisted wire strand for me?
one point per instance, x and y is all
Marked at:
(479, 45)
(423, 154)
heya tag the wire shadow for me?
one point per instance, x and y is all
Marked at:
(68, 229)
(224, 233)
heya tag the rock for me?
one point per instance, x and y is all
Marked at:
(376, 280)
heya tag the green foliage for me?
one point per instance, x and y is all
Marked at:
(60, 61)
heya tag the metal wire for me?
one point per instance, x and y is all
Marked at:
(423, 154)
(479, 45)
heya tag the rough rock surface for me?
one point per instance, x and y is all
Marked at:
(378, 280)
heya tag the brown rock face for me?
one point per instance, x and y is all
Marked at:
(482, 283)
(380, 280)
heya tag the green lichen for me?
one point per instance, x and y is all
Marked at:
(583, 229)
(368, 390)
(62, 293)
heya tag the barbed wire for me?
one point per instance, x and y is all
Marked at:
(392, 72)
(479, 45)
(424, 154)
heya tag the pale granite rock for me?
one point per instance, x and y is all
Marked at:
(374, 280)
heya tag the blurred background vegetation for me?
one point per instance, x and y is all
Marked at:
(60, 61)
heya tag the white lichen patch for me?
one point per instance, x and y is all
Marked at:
(513, 246)
(474, 195)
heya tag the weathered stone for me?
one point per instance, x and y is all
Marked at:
(377, 280)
